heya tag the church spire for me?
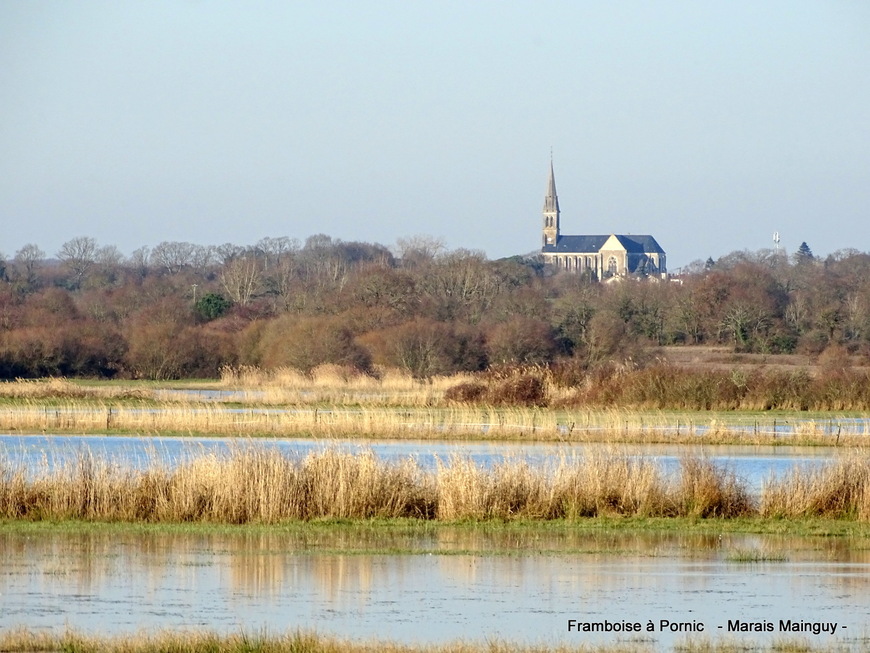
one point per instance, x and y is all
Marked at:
(551, 210)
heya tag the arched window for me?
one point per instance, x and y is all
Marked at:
(612, 266)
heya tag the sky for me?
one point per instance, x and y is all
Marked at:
(708, 124)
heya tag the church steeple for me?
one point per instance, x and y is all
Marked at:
(551, 210)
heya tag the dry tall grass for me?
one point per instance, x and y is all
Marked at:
(710, 491)
(384, 422)
(336, 385)
(63, 389)
(587, 486)
(259, 485)
(839, 490)
(335, 403)
(252, 484)
(659, 387)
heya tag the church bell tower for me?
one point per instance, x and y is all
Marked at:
(551, 211)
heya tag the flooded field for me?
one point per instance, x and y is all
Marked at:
(451, 583)
(433, 583)
(752, 463)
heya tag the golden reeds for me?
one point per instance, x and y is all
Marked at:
(63, 389)
(443, 423)
(253, 484)
(840, 489)
(336, 385)
(332, 402)
(659, 387)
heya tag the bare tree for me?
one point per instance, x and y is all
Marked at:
(140, 257)
(79, 255)
(109, 255)
(417, 250)
(28, 258)
(173, 256)
(275, 249)
(241, 279)
(461, 283)
(282, 279)
(203, 257)
(227, 252)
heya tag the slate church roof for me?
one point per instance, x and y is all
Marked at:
(586, 244)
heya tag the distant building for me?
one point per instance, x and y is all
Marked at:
(602, 257)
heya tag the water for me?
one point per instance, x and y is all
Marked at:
(455, 582)
(464, 583)
(753, 464)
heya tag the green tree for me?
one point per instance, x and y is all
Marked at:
(212, 306)
(804, 254)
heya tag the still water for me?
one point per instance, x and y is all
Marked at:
(459, 583)
(753, 464)
(447, 584)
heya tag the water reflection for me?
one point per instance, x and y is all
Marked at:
(461, 582)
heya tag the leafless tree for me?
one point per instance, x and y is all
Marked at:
(79, 255)
(417, 250)
(173, 256)
(203, 257)
(462, 283)
(275, 249)
(241, 279)
(227, 252)
(28, 258)
(109, 255)
(140, 260)
(282, 279)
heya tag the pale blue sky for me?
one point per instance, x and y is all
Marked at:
(707, 124)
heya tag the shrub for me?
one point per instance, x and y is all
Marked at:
(306, 342)
(706, 490)
(466, 393)
(212, 306)
(519, 390)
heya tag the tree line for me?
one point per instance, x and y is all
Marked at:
(183, 310)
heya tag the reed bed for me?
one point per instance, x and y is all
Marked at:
(657, 387)
(332, 402)
(442, 423)
(253, 484)
(198, 641)
(63, 389)
(840, 490)
(336, 385)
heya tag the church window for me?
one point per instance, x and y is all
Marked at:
(611, 266)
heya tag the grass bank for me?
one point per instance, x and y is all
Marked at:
(491, 537)
(657, 386)
(393, 407)
(23, 640)
(254, 484)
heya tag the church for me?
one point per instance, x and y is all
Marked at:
(613, 256)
